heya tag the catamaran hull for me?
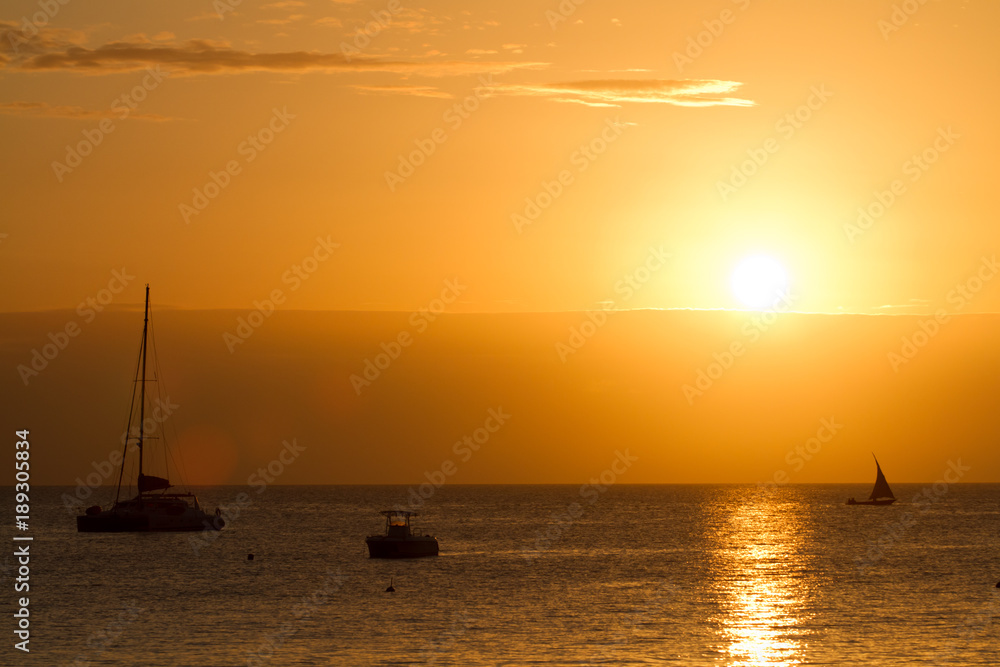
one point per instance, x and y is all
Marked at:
(381, 547)
(112, 522)
(888, 501)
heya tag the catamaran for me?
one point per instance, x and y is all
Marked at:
(152, 509)
(881, 494)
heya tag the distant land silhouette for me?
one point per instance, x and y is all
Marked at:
(622, 387)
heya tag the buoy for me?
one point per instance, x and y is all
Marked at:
(249, 556)
(393, 590)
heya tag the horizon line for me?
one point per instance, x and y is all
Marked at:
(138, 306)
(743, 484)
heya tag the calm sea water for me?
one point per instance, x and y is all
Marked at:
(646, 575)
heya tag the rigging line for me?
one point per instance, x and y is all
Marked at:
(131, 476)
(128, 424)
(169, 456)
(157, 374)
(142, 399)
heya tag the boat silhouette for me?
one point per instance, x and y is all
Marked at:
(399, 540)
(881, 494)
(148, 511)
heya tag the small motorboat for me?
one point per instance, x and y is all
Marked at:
(399, 540)
(881, 494)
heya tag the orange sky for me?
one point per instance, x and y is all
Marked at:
(539, 88)
(622, 387)
(293, 157)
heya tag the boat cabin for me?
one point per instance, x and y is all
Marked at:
(397, 522)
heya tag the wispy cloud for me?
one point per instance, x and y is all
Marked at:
(45, 110)
(416, 91)
(329, 22)
(15, 44)
(615, 92)
(914, 303)
(45, 52)
(285, 21)
(413, 20)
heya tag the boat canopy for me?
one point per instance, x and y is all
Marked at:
(397, 517)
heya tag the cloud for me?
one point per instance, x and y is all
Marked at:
(45, 110)
(416, 91)
(14, 43)
(47, 53)
(329, 22)
(208, 16)
(417, 21)
(615, 92)
(630, 70)
(284, 21)
(143, 38)
(914, 303)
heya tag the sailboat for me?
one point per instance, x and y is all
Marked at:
(152, 509)
(881, 494)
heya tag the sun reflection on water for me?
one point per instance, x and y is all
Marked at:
(760, 587)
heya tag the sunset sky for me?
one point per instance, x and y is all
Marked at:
(554, 84)
(514, 157)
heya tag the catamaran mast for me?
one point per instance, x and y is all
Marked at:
(142, 403)
(142, 390)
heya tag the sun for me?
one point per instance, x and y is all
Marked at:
(758, 281)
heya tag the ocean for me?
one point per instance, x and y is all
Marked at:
(528, 575)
